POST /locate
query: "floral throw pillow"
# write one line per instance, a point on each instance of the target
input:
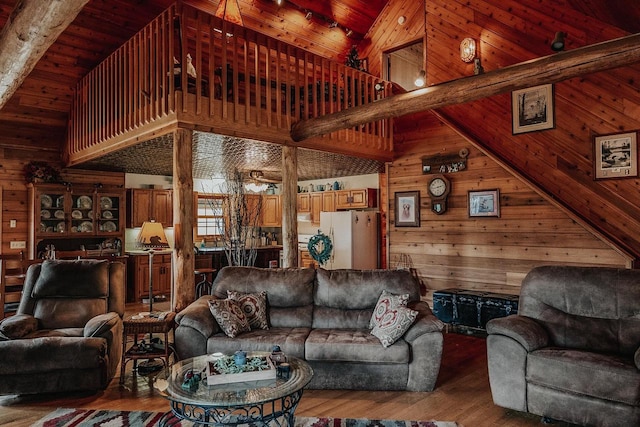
(229, 316)
(386, 301)
(391, 318)
(254, 307)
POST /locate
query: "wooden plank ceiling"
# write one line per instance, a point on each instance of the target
(36, 116)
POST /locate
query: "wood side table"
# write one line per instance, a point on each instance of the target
(136, 325)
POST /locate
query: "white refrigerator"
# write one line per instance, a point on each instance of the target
(354, 235)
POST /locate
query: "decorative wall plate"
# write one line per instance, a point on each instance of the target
(45, 214)
(85, 227)
(60, 227)
(59, 214)
(85, 202)
(76, 214)
(46, 201)
(106, 203)
(109, 227)
(60, 202)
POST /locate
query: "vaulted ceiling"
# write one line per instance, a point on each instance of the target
(36, 116)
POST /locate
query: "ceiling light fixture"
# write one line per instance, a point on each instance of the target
(279, 2)
(333, 24)
(467, 49)
(557, 44)
(309, 15)
(421, 79)
(229, 11)
(349, 32)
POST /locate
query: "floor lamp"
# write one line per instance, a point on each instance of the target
(150, 238)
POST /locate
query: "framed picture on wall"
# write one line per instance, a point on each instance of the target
(615, 156)
(407, 205)
(484, 203)
(532, 109)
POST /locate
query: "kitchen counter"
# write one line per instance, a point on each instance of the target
(221, 248)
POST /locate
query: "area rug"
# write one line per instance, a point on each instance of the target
(63, 417)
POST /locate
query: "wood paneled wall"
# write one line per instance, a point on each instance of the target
(494, 254)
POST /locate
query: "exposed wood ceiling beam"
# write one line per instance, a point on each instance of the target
(549, 69)
(32, 27)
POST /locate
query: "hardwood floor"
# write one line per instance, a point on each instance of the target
(462, 394)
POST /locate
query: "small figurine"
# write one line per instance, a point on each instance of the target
(277, 356)
(240, 358)
(191, 380)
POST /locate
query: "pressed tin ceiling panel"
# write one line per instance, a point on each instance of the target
(215, 156)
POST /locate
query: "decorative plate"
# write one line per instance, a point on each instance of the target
(90, 214)
(45, 214)
(74, 229)
(59, 214)
(85, 227)
(60, 202)
(107, 215)
(109, 226)
(85, 202)
(105, 203)
(43, 227)
(76, 214)
(60, 227)
(49, 230)
(46, 201)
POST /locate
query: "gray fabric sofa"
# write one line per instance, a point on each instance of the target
(67, 333)
(323, 316)
(573, 351)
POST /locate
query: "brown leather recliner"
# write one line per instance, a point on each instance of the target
(67, 332)
(572, 352)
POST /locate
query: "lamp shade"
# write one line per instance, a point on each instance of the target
(229, 11)
(152, 236)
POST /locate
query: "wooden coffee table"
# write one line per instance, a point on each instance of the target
(233, 403)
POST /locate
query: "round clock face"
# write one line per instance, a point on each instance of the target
(437, 187)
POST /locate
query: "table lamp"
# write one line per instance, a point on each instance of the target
(150, 238)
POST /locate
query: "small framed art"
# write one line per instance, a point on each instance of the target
(407, 209)
(615, 156)
(532, 109)
(484, 203)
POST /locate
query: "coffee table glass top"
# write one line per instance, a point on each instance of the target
(169, 382)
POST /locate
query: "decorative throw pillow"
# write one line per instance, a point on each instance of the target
(254, 307)
(393, 324)
(387, 301)
(229, 316)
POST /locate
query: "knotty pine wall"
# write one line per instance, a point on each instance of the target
(494, 254)
(14, 203)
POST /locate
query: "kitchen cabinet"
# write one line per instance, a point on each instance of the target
(357, 198)
(67, 211)
(150, 204)
(304, 202)
(271, 211)
(316, 207)
(138, 280)
(305, 260)
(329, 201)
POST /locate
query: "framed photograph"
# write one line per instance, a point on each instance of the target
(615, 156)
(484, 203)
(407, 209)
(532, 109)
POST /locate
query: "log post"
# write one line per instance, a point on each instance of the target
(290, 206)
(549, 69)
(32, 28)
(183, 255)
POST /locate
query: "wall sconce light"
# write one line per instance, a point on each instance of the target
(309, 15)
(467, 49)
(421, 79)
(557, 44)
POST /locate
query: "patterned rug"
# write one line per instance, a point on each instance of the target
(62, 417)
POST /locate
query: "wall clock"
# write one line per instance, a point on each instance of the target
(438, 189)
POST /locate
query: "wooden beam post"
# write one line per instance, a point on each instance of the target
(549, 69)
(290, 206)
(32, 28)
(183, 255)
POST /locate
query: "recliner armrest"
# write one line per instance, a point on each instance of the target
(526, 331)
(636, 358)
(100, 324)
(18, 326)
(425, 322)
(198, 316)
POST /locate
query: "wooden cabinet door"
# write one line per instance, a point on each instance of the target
(271, 211)
(304, 203)
(329, 201)
(343, 199)
(162, 207)
(140, 205)
(359, 198)
(316, 207)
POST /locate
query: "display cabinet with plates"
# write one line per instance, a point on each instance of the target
(68, 211)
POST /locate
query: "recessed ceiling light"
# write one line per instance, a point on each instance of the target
(402, 19)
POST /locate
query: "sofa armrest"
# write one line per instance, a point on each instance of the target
(100, 325)
(18, 326)
(526, 331)
(425, 322)
(636, 358)
(198, 316)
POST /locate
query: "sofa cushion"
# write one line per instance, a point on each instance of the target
(386, 302)
(72, 279)
(597, 375)
(254, 307)
(229, 316)
(352, 345)
(290, 340)
(393, 324)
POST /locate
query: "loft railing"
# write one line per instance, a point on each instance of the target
(189, 67)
